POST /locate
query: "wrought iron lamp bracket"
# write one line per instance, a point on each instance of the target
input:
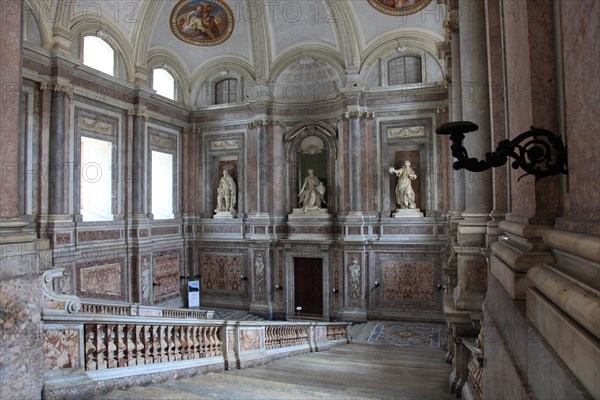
(538, 152)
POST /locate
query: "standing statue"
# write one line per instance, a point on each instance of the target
(312, 192)
(405, 195)
(226, 193)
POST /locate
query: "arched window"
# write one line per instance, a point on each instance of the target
(226, 91)
(164, 83)
(405, 69)
(99, 55)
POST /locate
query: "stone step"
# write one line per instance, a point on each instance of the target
(366, 371)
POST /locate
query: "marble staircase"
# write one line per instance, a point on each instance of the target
(353, 371)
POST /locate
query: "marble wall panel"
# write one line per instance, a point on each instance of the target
(61, 348)
(166, 272)
(407, 281)
(102, 280)
(249, 339)
(221, 272)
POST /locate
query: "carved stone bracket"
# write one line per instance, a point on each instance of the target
(56, 303)
(358, 114)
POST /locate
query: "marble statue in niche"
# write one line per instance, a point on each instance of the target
(259, 265)
(226, 196)
(405, 195)
(354, 280)
(312, 193)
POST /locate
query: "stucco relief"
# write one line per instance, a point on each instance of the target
(166, 272)
(354, 282)
(61, 348)
(259, 274)
(221, 272)
(404, 281)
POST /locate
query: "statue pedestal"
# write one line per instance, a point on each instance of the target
(225, 214)
(408, 213)
(309, 212)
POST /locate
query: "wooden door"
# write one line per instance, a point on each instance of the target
(308, 286)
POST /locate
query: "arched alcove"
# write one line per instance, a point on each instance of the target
(311, 145)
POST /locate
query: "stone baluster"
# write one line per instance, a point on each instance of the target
(112, 349)
(101, 347)
(139, 341)
(90, 348)
(121, 345)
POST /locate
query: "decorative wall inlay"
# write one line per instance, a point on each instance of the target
(249, 339)
(225, 145)
(395, 133)
(87, 236)
(61, 348)
(62, 238)
(202, 22)
(166, 272)
(221, 272)
(104, 281)
(221, 229)
(402, 281)
(399, 7)
(408, 230)
(165, 230)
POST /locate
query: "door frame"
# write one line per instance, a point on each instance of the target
(305, 250)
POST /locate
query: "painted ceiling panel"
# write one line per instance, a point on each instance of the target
(374, 23)
(238, 44)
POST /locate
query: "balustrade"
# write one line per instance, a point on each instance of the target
(122, 345)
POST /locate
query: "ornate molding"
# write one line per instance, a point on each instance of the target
(92, 124)
(260, 122)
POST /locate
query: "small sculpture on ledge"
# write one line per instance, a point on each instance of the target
(311, 196)
(226, 197)
(405, 195)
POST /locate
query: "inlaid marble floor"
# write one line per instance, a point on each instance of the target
(408, 334)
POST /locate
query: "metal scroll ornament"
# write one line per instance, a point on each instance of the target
(538, 152)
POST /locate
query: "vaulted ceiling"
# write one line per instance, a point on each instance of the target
(271, 39)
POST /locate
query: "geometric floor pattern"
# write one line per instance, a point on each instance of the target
(408, 334)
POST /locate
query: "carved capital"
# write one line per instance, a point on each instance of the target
(139, 113)
(58, 87)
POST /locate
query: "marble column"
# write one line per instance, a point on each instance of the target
(278, 183)
(264, 168)
(355, 163)
(471, 236)
(139, 146)
(497, 116)
(56, 153)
